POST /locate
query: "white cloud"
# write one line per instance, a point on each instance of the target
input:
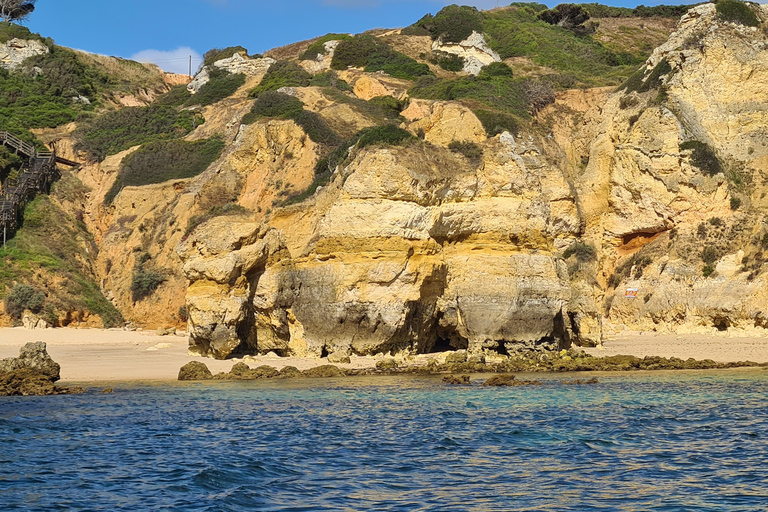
(172, 61)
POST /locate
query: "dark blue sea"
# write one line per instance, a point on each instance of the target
(663, 441)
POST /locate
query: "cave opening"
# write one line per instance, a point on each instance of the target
(720, 323)
(441, 345)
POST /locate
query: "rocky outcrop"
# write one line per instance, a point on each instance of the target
(444, 122)
(32, 373)
(474, 50)
(16, 51)
(224, 261)
(235, 65)
(323, 61)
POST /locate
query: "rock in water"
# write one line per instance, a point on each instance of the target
(195, 371)
(457, 380)
(509, 380)
(32, 373)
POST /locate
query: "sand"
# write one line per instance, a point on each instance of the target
(94, 355)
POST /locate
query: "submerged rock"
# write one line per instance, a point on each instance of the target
(509, 380)
(457, 380)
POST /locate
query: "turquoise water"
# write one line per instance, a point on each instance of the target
(636, 442)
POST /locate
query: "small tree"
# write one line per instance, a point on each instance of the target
(570, 16)
(16, 10)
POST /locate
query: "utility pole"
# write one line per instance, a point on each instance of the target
(190, 66)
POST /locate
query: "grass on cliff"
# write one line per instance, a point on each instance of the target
(317, 48)
(157, 162)
(370, 53)
(738, 12)
(216, 54)
(131, 126)
(49, 254)
(222, 84)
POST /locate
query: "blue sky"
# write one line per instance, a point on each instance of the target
(168, 31)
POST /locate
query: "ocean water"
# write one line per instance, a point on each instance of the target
(664, 441)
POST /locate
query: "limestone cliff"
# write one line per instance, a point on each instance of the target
(638, 208)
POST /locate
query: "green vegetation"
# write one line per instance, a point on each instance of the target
(663, 11)
(216, 211)
(710, 255)
(387, 135)
(283, 73)
(735, 203)
(623, 271)
(145, 282)
(10, 31)
(583, 252)
(222, 84)
(157, 162)
(368, 52)
(707, 271)
(329, 79)
(448, 61)
(519, 33)
(318, 47)
(51, 243)
(284, 106)
(737, 11)
(131, 126)
(23, 297)
(570, 16)
(274, 104)
(453, 23)
(176, 97)
(389, 106)
(500, 102)
(703, 156)
(217, 54)
(470, 150)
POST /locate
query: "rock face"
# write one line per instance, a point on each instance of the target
(690, 225)
(235, 65)
(16, 51)
(224, 261)
(475, 51)
(32, 373)
(408, 249)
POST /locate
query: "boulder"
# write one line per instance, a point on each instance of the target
(195, 370)
(509, 380)
(324, 371)
(339, 358)
(32, 373)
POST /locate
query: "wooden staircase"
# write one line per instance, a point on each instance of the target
(35, 175)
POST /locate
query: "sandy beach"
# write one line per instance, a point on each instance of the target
(94, 355)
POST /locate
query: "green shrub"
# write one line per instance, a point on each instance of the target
(495, 69)
(316, 128)
(145, 282)
(386, 135)
(275, 104)
(570, 16)
(453, 23)
(157, 162)
(415, 30)
(318, 46)
(703, 157)
(283, 73)
(497, 122)
(368, 52)
(390, 106)
(221, 85)
(582, 251)
(735, 203)
(737, 11)
(131, 126)
(707, 271)
(23, 297)
(501, 94)
(217, 54)
(176, 97)
(450, 62)
(329, 79)
(470, 150)
(710, 255)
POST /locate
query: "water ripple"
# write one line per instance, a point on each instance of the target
(663, 442)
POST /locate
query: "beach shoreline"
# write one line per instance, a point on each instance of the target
(96, 355)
